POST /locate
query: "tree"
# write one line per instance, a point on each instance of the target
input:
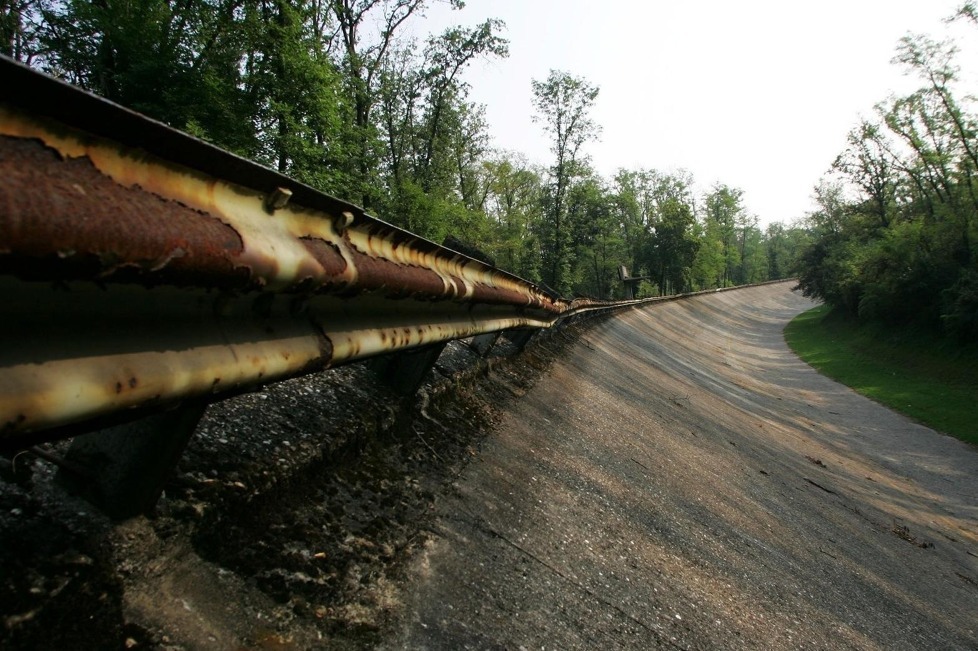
(632, 201)
(293, 88)
(941, 134)
(753, 263)
(903, 250)
(781, 250)
(446, 57)
(563, 104)
(596, 236)
(710, 262)
(513, 201)
(21, 22)
(207, 67)
(724, 211)
(362, 61)
(869, 165)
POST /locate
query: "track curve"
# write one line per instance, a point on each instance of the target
(681, 480)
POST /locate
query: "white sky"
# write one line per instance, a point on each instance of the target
(756, 94)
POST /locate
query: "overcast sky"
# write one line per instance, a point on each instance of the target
(756, 94)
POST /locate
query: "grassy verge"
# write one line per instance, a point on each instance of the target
(928, 379)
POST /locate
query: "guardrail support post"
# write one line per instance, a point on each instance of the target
(482, 344)
(130, 463)
(520, 338)
(405, 371)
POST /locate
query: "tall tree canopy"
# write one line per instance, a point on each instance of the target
(563, 105)
(895, 240)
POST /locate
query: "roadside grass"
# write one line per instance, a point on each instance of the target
(929, 379)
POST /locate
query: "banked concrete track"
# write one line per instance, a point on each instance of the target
(681, 480)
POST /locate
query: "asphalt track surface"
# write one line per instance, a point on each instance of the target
(680, 480)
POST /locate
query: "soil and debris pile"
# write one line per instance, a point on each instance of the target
(287, 525)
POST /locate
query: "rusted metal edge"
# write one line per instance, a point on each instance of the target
(140, 267)
(91, 122)
(80, 352)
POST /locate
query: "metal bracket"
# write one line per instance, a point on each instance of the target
(127, 465)
(405, 371)
(483, 344)
(520, 338)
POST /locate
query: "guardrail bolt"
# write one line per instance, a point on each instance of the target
(342, 221)
(277, 198)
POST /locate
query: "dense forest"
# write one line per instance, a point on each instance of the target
(335, 94)
(895, 237)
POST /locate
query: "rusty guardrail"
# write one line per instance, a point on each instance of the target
(141, 267)
(145, 273)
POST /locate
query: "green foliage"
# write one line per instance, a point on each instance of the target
(434, 217)
(674, 246)
(783, 247)
(903, 251)
(597, 238)
(563, 104)
(901, 281)
(960, 307)
(827, 273)
(647, 290)
(710, 261)
(513, 204)
(18, 28)
(631, 200)
(724, 211)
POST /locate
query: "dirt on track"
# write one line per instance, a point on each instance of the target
(672, 477)
(680, 480)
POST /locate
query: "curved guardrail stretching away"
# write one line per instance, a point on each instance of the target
(141, 267)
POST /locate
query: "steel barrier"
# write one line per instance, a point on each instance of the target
(140, 266)
(145, 273)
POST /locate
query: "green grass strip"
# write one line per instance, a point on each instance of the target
(929, 379)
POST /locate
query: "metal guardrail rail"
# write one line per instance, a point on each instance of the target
(141, 267)
(145, 273)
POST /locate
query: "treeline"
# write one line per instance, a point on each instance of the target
(334, 94)
(895, 239)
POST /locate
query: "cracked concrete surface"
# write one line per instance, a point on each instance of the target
(680, 480)
(672, 478)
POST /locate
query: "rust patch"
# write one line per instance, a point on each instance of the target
(501, 296)
(65, 220)
(397, 281)
(325, 350)
(329, 257)
(458, 286)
